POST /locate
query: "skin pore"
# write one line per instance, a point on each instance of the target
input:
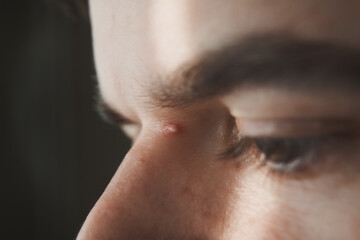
(175, 183)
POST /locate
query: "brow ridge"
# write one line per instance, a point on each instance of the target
(268, 60)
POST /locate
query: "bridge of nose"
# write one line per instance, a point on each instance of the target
(165, 186)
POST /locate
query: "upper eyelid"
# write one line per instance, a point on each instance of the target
(295, 127)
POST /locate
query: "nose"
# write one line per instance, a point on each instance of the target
(165, 188)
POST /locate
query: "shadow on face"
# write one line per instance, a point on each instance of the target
(155, 59)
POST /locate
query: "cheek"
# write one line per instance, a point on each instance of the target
(280, 222)
(259, 213)
(317, 208)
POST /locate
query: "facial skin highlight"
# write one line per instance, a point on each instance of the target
(190, 80)
(171, 129)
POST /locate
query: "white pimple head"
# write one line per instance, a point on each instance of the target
(170, 129)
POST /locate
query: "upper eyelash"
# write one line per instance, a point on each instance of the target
(235, 149)
(246, 148)
(297, 146)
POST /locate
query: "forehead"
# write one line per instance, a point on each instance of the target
(140, 41)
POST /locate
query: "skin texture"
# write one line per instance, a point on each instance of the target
(171, 184)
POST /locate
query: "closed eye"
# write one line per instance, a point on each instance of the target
(281, 155)
(284, 154)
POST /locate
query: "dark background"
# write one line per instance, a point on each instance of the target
(57, 155)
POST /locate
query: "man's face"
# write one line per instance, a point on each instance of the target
(243, 114)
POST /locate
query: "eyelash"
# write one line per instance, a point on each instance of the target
(280, 155)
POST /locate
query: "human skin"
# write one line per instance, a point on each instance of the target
(171, 184)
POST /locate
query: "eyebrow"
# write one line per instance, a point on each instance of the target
(266, 60)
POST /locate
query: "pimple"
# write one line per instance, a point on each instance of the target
(171, 129)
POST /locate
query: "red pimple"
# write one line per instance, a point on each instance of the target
(170, 129)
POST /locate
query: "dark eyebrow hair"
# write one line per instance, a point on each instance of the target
(275, 60)
(266, 60)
